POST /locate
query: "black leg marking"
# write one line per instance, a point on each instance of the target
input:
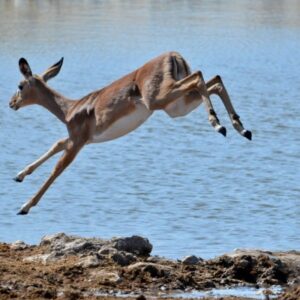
(247, 134)
(223, 131)
(17, 179)
(213, 113)
(236, 117)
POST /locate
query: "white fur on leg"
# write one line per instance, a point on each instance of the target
(24, 209)
(20, 176)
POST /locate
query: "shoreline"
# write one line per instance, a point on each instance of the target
(71, 267)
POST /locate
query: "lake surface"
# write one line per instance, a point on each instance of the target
(176, 181)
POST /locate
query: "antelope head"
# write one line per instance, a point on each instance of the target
(31, 88)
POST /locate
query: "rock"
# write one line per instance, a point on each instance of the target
(91, 261)
(78, 246)
(243, 268)
(191, 260)
(155, 270)
(74, 245)
(105, 277)
(43, 258)
(224, 261)
(253, 266)
(159, 259)
(123, 259)
(19, 245)
(245, 263)
(135, 244)
(67, 245)
(107, 250)
(52, 239)
(154, 259)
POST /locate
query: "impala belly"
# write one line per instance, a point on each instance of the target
(124, 124)
(180, 108)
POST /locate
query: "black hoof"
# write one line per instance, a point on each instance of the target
(17, 179)
(222, 130)
(22, 212)
(247, 134)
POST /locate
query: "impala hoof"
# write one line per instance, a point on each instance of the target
(22, 212)
(247, 134)
(222, 130)
(17, 179)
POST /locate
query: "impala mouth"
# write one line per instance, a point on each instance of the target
(14, 106)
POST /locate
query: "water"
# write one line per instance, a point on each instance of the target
(245, 292)
(238, 291)
(177, 182)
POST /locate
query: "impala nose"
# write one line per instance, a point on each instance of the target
(13, 104)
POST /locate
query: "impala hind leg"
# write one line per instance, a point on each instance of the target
(65, 160)
(193, 88)
(216, 86)
(57, 147)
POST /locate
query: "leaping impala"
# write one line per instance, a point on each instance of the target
(165, 82)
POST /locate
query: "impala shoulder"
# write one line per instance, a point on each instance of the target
(85, 105)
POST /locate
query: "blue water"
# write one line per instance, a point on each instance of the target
(177, 182)
(238, 291)
(245, 292)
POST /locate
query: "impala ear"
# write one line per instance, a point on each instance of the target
(25, 68)
(52, 71)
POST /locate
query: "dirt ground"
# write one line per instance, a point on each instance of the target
(67, 267)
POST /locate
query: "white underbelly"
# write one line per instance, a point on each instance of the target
(180, 108)
(124, 125)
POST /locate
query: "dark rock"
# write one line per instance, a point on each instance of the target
(135, 244)
(242, 268)
(244, 262)
(252, 267)
(123, 259)
(186, 280)
(191, 260)
(224, 261)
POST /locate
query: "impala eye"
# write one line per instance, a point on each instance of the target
(20, 86)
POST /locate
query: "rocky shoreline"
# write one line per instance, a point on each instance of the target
(72, 267)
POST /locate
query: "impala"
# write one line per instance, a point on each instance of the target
(164, 83)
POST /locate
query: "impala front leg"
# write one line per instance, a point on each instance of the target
(68, 156)
(57, 147)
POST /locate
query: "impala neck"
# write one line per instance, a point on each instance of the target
(55, 102)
